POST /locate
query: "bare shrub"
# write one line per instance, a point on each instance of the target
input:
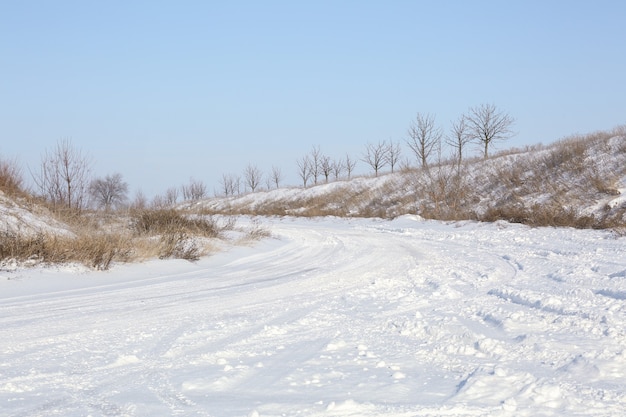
(179, 245)
(140, 201)
(11, 180)
(96, 251)
(194, 191)
(171, 196)
(63, 178)
(164, 221)
(21, 247)
(256, 231)
(441, 192)
(570, 152)
(539, 215)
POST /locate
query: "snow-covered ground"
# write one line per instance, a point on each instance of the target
(329, 317)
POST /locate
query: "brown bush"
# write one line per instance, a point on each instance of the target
(11, 180)
(165, 221)
(539, 215)
(179, 245)
(96, 251)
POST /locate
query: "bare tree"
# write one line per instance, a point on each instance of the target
(171, 196)
(337, 168)
(140, 201)
(406, 165)
(393, 153)
(459, 137)
(326, 167)
(224, 191)
(194, 191)
(485, 124)
(350, 164)
(236, 185)
(314, 164)
(63, 178)
(424, 137)
(253, 176)
(376, 156)
(159, 202)
(230, 184)
(277, 176)
(227, 184)
(304, 169)
(109, 191)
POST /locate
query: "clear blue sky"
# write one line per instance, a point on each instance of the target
(162, 91)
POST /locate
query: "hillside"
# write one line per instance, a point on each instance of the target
(21, 216)
(578, 182)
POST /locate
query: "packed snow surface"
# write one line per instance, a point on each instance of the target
(329, 317)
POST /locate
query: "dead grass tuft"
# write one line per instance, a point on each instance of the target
(99, 239)
(167, 221)
(96, 251)
(11, 181)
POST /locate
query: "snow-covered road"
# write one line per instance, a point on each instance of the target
(329, 317)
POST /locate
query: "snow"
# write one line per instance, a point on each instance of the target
(16, 217)
(329, 317)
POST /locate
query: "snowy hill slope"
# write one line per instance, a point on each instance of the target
(579, 182)
(18, 217)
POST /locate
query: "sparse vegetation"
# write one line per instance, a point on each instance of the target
(11, 180)
(94, 250)
(574, 182)
(151, 222)
(555, 185)
(194, 191)
(63, 177)
(98, 239)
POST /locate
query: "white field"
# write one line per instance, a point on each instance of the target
(329, 317)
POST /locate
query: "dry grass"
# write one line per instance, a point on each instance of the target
(550, 186)
(99, 239)
(554, 216)
(177, 236)
(96, 251)
(540, 185)
(165, 221)
(539, 215)
(11, 181)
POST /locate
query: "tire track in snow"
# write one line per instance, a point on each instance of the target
(334, 317)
